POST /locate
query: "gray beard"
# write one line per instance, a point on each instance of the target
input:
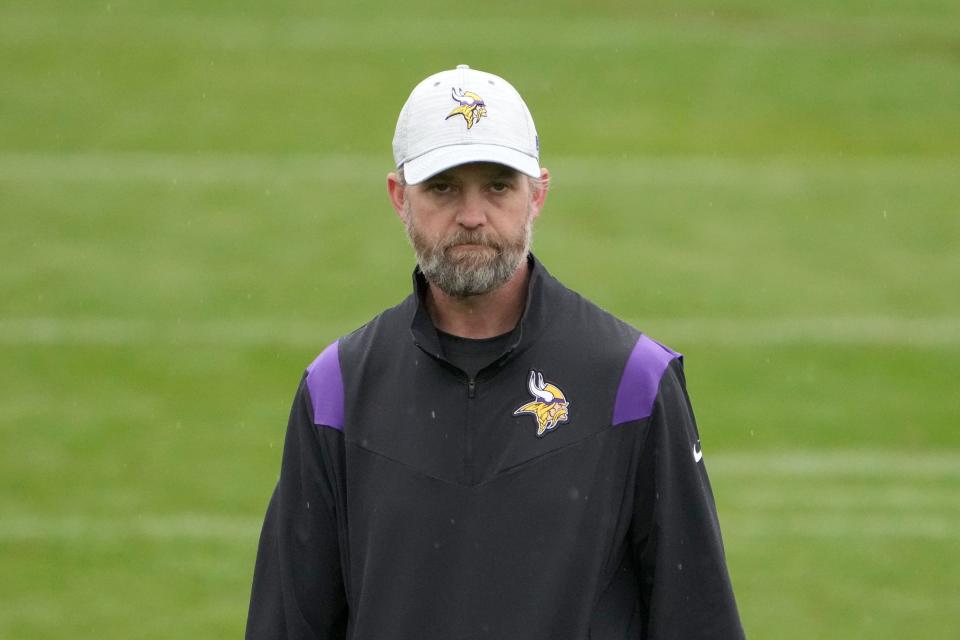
(471, 273)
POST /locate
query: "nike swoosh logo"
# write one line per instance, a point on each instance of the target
(697, 452)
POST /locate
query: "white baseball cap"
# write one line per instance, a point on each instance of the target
(464, 115)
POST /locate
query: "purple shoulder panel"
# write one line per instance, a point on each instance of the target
(325, 385)
(641, 379)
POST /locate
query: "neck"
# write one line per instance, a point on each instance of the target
(482, 316)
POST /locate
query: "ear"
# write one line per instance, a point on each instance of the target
(539, 196)
(397, 193)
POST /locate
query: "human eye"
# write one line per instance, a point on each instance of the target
(500, 186)
(439, 187)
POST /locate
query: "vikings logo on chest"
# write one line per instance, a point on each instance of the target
(550, 406)
(470, 106)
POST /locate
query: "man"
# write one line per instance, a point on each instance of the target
(495, 457)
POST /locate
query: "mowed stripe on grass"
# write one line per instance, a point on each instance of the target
(839, 330)
(805, 494)
(216, 167)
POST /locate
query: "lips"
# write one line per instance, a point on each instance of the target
(472, 245)
(472, 252)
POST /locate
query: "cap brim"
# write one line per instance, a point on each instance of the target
(433, 162)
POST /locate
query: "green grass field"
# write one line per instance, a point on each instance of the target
(192, 205)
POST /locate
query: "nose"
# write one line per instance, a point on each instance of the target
(472, 211)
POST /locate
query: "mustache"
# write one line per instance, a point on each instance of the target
(469, 237)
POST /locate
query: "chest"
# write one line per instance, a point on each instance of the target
(438, 421)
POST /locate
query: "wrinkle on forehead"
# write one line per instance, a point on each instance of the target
(485, 169)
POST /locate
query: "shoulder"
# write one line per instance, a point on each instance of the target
(640, 381)
(608, 338)
(569, 316)
(324, 376)
(324, 385)
(382, 330)
(638, 364)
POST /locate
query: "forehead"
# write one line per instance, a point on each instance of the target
(475, 171)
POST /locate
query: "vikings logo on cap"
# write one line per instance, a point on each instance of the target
(550, 407)
(471, 106)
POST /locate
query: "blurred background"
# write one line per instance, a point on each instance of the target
(192, 206)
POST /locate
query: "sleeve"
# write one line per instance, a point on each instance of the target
(685, 588)
(298, 588)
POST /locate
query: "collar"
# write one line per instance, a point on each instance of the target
(531, 322)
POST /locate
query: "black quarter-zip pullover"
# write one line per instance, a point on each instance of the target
(558, 494)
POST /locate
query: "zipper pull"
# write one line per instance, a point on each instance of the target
(471, 387)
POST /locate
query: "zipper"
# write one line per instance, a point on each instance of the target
(468, 436)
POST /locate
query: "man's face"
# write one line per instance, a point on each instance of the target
(470, 226)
